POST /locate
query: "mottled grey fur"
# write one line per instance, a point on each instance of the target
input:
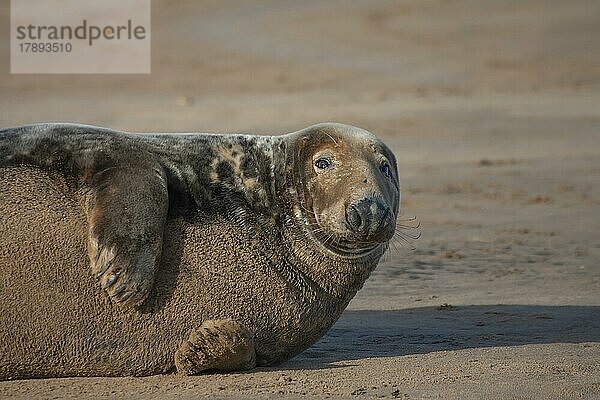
(228, 250)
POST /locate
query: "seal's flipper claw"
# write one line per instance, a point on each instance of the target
(103, 269)
(122, 298)
(118, 290)
(127, 210)
(109, 279)
(223, 345)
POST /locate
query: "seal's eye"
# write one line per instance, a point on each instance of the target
(323, 163)
(385, 169)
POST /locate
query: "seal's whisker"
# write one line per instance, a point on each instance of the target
(396, 247)
(408, 222)
(302, 206)
(332, 139)
(405, 235)
(393, 247)
(409, 234)
(329, 238)
(407, 229)
(417, 226)
(316, 227)
(393, 250)
(409, 219)
(400, 237)
(406, 244)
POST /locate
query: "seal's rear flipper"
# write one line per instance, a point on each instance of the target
(126, 212)
(222, 345)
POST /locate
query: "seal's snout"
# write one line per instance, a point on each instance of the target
(369, 218)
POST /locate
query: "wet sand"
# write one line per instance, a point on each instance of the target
(492, 108)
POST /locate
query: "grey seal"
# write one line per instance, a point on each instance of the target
(207, 251)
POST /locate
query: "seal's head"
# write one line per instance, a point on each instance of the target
(348, 187)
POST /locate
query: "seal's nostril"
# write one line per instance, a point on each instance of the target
(365, 180)
(353, 218)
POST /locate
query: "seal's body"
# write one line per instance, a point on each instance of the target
(220, 251)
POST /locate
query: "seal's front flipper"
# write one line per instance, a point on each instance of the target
(222, 345)
(126, 212)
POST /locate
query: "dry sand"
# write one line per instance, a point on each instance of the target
(493, 108)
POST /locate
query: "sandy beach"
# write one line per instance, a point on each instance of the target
(493, 111)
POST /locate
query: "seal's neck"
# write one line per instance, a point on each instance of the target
(339, 277)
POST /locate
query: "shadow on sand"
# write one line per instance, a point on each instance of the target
(368, 334)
